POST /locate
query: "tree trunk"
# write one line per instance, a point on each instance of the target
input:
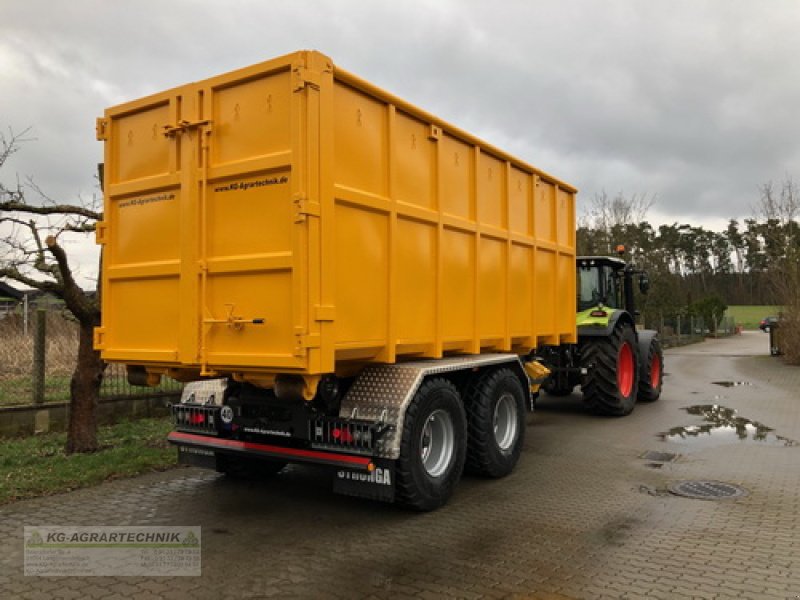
(84, 391)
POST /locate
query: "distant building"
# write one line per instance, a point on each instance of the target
(10, 298)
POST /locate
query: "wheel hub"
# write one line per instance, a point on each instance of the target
(505, 422)
(625, 366)
(655, 372)
(437, 441)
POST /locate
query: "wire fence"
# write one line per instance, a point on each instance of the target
(34, 371)
(680, 330)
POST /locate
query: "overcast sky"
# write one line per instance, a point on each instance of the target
(695, 102)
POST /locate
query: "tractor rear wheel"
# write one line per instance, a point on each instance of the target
(612, 375)
(653, 374)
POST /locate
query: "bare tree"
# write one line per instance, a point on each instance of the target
(32, 253)
(777, 212)
(610, 216)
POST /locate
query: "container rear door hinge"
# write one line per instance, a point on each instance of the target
(303, 208)
(100, 230)
(304, 341)
(101, 129)
(302, 77)
(99, 338)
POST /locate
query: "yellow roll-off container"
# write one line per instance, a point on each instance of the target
(292, 218)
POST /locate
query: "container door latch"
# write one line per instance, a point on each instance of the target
(184, 125)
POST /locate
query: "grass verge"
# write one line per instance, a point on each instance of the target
(749, 316)
(37, 466)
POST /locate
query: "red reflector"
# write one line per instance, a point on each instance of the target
(342, 435)
(197, 419)
(598, 313)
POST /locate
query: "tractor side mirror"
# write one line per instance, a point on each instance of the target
(644, 283)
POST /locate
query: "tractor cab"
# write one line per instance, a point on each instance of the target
(607, 282)
(600, 282)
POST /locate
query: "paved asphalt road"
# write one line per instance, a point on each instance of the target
(583, 516)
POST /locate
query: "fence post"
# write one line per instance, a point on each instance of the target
(679, 330)
(25, 315)
(39, 342)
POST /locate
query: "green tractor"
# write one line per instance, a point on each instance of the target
(615, 363)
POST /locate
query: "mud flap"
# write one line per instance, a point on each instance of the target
(197, 457)
(375, 485)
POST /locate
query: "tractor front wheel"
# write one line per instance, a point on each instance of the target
(653, 375)
(611, 381)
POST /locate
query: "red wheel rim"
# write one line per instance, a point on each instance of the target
(625, 370)
(655, 372)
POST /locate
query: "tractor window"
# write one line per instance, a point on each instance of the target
(589, 293)
(613, 288)
(598, 285)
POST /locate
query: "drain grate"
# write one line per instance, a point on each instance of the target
(656, 456)
(707, 490)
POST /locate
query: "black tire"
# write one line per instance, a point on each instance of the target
(416, 487)
(486, 454)
(247, 467)
(650, 386)
(602, 383)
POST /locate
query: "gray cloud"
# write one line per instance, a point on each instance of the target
(692, 101)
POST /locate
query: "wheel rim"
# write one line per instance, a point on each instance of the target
(437, 443)
(655, 372)
(505, 422)
(625, 370)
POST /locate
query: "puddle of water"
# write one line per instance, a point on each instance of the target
(730, 384)
(723, 426)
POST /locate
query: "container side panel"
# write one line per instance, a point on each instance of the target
(545, 284)
(413, 156)
(145, 315)
(139, 147)
(458, 284)
(545, 212)
(360, 160)
(145, 227)
(252, 294)
(565, 309)
(455, 175)
(250, 264)
(250, 245)
(521, 291)
(362, 264)
(491, 209)
(416, 281)
(520, 203)
(250, 216)
(566, 218)
(252, 118)
(491, 288)
(142, 212)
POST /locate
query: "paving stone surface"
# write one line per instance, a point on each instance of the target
(583, 516)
